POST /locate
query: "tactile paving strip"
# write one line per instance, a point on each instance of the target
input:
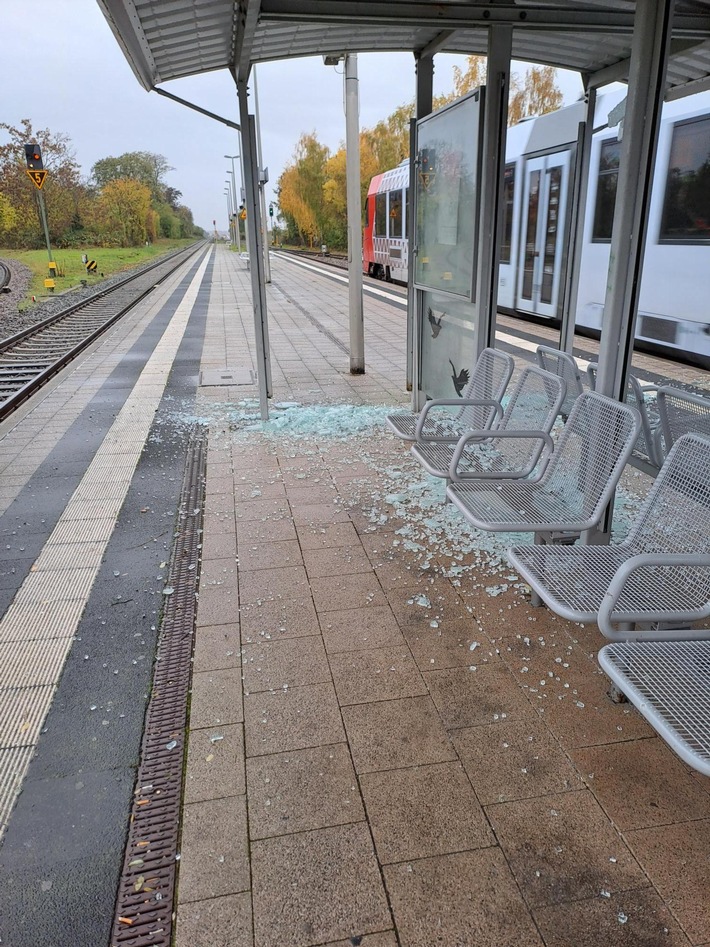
(144, 907)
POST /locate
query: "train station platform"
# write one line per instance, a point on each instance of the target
(387, 744)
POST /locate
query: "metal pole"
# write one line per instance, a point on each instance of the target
(495, 106)
(262, 196)
(45, 225)
(256, 258)
(235, 204)
(242, 190)
(424, 103)
(230, 217)
(647, 71)
(354, 201)
(576, 233)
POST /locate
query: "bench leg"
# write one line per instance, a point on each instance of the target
(617, 696)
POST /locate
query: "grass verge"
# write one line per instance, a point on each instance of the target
(109, 261)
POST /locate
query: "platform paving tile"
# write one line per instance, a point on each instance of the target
(292, 719)
(675, 857)
(396, 733)
(664, 792)
(217, 647)
(476, 695)
(423, 811)
(637, 918)
(357, 630)
(289, 662)
(302, 790)
(514, 759)
(333, 593)
(215, 763)
(315, 887)
(448, 644)
(272, 620)
(272, 530)
(459, 900)
(214, 852)
(216, 922)
(327, 535)
(289, 584)
(276, 555)
(337, 560)
(375, 674)
(563, 848)
(216, 698)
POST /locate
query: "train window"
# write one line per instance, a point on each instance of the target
(507, 236)
(381, 215)
(686, 206)
(395, 214)
(606, 189)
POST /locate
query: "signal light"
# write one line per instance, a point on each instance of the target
(33, 157)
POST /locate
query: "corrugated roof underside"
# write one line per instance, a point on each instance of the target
(174, 38)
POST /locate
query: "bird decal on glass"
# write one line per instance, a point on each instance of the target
(460, 380)
(434, 322)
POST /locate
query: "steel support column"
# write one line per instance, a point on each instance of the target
(500, 41)
(647, 70)
(578, 202)
(255, 249)
(424, 66)
(354, 202)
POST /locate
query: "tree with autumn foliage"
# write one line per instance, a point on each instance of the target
(66, 196)
(122, 207)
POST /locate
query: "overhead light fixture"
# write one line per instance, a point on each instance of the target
(333, 59)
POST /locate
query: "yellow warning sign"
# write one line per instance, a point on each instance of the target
(37, 176)
(243, 215)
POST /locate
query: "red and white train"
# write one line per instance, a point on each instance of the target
(674, 311)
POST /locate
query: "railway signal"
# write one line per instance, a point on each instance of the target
(37, 174)
(33, 157)
(271, 210)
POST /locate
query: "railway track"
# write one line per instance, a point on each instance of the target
(31, 357)
(4, 276)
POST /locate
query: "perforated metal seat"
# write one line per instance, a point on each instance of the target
(649, 446)
(682, 412)
(669, 683)
(489, 379)
(564, 365)
(658, 579)
(515, 446)
(572, 490)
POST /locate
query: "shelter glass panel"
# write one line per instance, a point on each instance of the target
(395, 214)
(606, 189)
(448, 349)
(508, 201)
(686, 207)
(448, 153)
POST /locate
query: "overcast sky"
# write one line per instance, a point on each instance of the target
(61, 67)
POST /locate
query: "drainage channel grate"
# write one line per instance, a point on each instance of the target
(144, 906)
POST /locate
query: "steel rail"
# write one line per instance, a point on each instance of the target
(31, 357)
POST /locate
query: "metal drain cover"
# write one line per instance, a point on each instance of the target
(214, 377)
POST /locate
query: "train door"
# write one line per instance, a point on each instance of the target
(542, 233)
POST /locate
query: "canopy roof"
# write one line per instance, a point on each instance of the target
(170, 39)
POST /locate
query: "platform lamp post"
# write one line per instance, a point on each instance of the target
(232, 158)
(228, 195)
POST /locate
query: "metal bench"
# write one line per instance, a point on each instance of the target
(514, 447)
(478, 408)
(649, 446)
(569, 495)
(682, 412)
(669, 683)
(564, 365)
(656, 583)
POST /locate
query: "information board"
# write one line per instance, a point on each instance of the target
(447, 175)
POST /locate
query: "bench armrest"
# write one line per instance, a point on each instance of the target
(450, 403)
(609, 611)
(456, 474)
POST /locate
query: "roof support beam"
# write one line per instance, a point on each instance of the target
(434, 45)
(619, 71)
(246, 21)
(647, 78)
(462, 15)
(500, 43)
